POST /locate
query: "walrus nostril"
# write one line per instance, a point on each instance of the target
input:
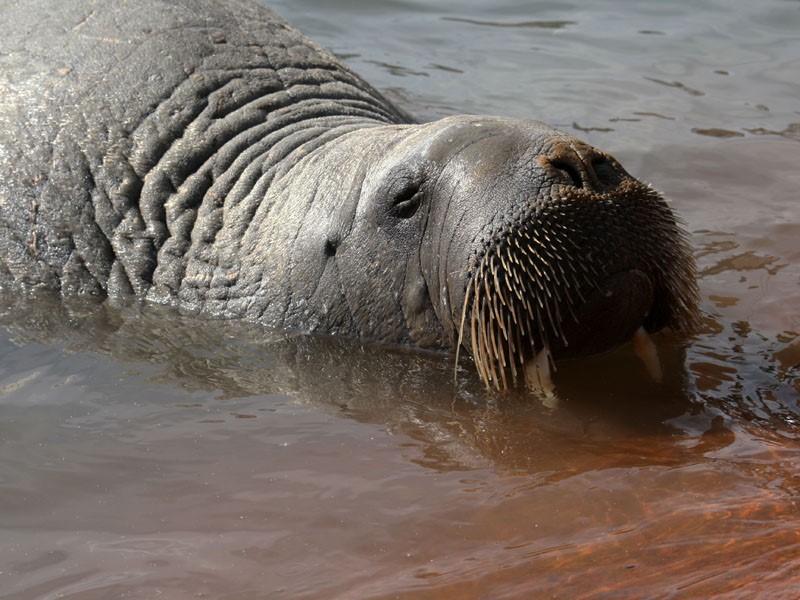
(571, 170)
(582, 168)
(605, 172)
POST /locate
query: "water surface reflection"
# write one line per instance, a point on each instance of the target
(144, 450)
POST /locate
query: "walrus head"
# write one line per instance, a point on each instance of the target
(509, 237)
(546, 243)
(534, 240)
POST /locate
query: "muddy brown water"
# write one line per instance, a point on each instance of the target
(146, 453)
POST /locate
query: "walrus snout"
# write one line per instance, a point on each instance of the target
(553, 249)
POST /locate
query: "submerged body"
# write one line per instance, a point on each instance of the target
(207, 154)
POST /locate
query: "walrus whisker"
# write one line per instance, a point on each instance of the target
(554, 322)
(512, 307)
(503, 262)
(475, 321)
(477, 349)
(461, 332)
(518, 293)
(501, 326)
(511, 257)
(512, 353)
(477, 353)
(536, 266)
(498, 287)
(521, 353)
(486, 337)
(503, 365)
(492, 339)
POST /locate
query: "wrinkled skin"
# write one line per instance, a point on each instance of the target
(205, 153)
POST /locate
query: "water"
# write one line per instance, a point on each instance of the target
(145, 453)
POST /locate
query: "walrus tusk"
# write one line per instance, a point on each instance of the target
(646, 350)
(537, 373)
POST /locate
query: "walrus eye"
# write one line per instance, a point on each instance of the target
(407, 203)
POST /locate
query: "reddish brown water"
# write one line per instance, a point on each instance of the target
(150, 455)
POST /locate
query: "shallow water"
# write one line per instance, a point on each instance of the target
(146, 453)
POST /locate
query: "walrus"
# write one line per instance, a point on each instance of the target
(204, 153)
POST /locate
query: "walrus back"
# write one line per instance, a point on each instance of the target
(125, 127)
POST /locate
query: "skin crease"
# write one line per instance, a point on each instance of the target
(206, 154)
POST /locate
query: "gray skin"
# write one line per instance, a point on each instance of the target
(206, 154)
